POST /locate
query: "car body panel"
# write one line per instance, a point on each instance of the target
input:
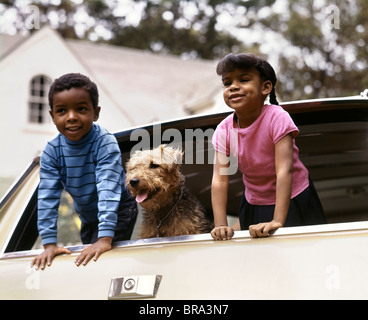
(310, 262)
(316, 262)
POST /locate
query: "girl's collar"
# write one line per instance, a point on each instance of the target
(236, 119)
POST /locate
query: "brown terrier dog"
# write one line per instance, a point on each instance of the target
(155, 180)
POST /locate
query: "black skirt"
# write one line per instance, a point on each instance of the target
(304, 209)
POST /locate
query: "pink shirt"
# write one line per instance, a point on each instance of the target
(254, 149)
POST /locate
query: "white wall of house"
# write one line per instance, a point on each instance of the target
(45, 53)
(135, 88)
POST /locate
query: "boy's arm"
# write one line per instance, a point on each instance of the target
(94, 250)
(219, 195)
(109, 184)
(49, 191)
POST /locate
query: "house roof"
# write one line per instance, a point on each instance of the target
(147, 86)
(150, 86)
(9, 42)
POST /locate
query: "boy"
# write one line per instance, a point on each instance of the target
(85, 160)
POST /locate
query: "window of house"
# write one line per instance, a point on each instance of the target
(38, 99)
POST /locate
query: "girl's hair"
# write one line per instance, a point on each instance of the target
(247, 61)
(74, 80)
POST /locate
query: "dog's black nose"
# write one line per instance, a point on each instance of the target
(134, 182)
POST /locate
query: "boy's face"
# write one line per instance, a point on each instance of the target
(73, 113)
(244, 89)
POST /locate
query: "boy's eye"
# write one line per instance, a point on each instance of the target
(60, 110)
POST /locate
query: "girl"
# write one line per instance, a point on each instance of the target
(278, 191)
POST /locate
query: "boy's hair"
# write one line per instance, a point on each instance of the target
(246, 61)
(74, 80)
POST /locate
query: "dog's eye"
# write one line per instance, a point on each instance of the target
(154, 166)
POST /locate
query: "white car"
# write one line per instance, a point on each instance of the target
(313, 262)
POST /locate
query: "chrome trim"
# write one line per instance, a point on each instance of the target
(14, 187)
(18, 185)
(326, 100)
(364, 93)
(14, 226)
(206, 237)
(311, 102)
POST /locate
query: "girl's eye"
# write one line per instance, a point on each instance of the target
(154, 166)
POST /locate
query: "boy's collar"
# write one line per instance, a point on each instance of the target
(82, 140)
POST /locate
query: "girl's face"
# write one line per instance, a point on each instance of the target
(244, 90)
(73, 113)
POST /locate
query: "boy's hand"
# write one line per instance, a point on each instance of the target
(94, 250)
(51, 250)
(264, 229)
(222, 233)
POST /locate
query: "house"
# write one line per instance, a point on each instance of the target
(136, 87)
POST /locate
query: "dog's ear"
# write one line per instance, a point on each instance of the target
(176, 155)
(170, 155)
(179, 156)
(136, 154)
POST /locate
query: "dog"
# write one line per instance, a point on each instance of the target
(155, 179)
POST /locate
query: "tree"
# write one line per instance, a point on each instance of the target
(60, 16)
(187, 28)
(322, 48)
(329, 45)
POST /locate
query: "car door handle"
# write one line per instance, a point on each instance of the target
(133, 287)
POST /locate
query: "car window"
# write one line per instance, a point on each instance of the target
(68, 224)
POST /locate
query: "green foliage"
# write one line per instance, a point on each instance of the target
(68, 222)
(333, 47)
(165, 27)
(321, 46)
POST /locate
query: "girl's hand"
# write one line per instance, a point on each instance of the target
(264, 229)
(94, 250)
(222, 233)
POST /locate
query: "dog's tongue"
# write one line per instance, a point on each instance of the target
(141, 196)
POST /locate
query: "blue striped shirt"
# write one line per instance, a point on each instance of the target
(90, 171)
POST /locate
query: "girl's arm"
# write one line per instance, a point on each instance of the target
(284, 167)
(219, 192)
